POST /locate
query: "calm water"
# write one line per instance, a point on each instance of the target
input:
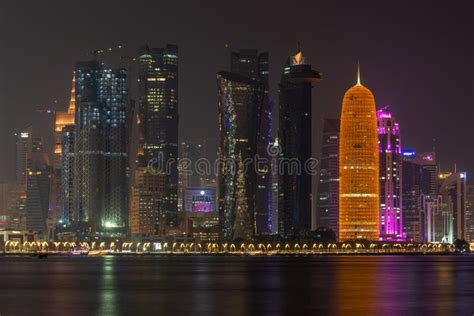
(336, 285)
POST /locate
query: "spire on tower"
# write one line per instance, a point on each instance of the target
(358, 74)
(72, 101)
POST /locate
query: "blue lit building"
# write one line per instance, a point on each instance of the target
(100, 152)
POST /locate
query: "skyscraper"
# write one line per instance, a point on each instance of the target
(61, 191)
(12, 205)
(328, 189)
(158, 116)
(113, 93)
(145, 203)
(240, 100)
(433, 220)
(67, 200)
(416, 184)
(254, 65)
(275, 151)
(88, 151)
(23, 148)
(295, 139)
(470, 212)
(428, 161)
(63, 119)
(391, 227)
(37, 192)
(100, 155)
(358, 166)
(453, 191)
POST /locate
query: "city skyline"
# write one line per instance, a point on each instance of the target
(97, 144)
(321, 48)
(236, 157)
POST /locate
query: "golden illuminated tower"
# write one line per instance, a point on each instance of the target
(64, 124)
(358, 166)
(64, 119)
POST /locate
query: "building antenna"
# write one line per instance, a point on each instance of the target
(358, 73)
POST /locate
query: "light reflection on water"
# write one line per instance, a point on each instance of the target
(207, 285)
(108, 288)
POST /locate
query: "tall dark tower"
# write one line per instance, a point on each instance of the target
(295, 203)
(240, 100)
(251, 64)
(158, 115)
(38, 186)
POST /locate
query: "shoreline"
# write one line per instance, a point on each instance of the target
(348, 254)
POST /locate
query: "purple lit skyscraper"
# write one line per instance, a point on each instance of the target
(391, 227)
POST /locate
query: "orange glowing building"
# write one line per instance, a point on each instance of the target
(358, 166)
(64, 119)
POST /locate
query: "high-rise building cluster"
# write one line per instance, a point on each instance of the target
(122, 173)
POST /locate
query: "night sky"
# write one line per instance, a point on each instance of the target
(416, 56)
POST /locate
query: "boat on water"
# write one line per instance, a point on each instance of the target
(79, 252)
(41, 255)
(97, 253)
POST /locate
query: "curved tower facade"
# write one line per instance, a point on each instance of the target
(358, 166)
(240, 102)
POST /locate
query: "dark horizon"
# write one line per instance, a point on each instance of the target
(416, 57)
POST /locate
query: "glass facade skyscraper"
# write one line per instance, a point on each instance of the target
(158, 121)
(416, 184)
(113, 93)
(88, 177)
(470, 212)
(100, 155)
(295, 139)
(254, 65)
(67, 214)
(453, 191)
(240, 100)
